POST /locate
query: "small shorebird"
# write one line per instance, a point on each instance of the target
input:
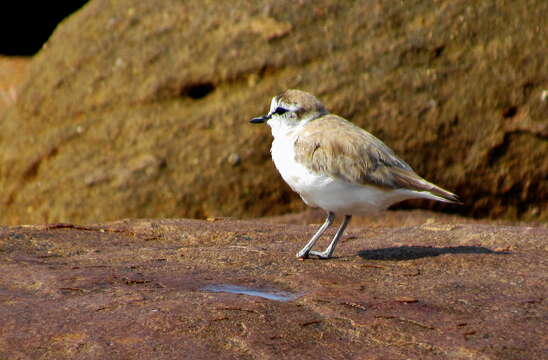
(337, 166)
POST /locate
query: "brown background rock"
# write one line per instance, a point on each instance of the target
(13, 71)
(433, 289)
(139, 109)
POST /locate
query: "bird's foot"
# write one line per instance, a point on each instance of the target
(319, 254)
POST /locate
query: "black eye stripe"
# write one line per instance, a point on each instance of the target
(280, 110)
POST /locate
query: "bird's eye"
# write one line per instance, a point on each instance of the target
(280, 111)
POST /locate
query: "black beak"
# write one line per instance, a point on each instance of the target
(260, 120)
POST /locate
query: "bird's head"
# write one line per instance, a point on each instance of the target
(291, 109)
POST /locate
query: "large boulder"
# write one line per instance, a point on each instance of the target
(139, 109)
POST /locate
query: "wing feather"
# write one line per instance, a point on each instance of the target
(335, 147)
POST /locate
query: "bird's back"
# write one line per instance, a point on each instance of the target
(333, 146)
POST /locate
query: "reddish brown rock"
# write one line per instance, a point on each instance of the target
(139, 109)
(148, 289)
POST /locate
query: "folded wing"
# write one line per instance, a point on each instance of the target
(334, 146)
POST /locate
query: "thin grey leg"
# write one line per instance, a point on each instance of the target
(331, 248)
(306, 249)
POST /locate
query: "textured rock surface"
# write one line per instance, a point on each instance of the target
(12, 73)
(139, 109)
(136, 289)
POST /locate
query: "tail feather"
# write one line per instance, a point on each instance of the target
(410, 180)
(446, 195)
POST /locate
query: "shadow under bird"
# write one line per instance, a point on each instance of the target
(337, 166)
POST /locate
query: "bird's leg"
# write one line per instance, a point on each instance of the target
(331, 248)
(303, 254)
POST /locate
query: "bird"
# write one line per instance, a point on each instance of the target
(337, 166)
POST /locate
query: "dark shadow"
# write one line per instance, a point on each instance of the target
(30, 25)
(417, 252)
(197, 91)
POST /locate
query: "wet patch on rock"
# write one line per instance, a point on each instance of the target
(271, 294)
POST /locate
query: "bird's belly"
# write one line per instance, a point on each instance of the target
(330, 194)
(348, 199)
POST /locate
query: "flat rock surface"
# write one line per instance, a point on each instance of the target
(228, 289)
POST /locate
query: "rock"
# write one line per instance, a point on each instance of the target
(227, 289)
(12, 73)
(132, 109)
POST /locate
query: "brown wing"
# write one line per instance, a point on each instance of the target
(334, 146)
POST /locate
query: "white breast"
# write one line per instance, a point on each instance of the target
(293, 173)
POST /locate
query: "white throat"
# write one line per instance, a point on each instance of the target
(282, 127)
